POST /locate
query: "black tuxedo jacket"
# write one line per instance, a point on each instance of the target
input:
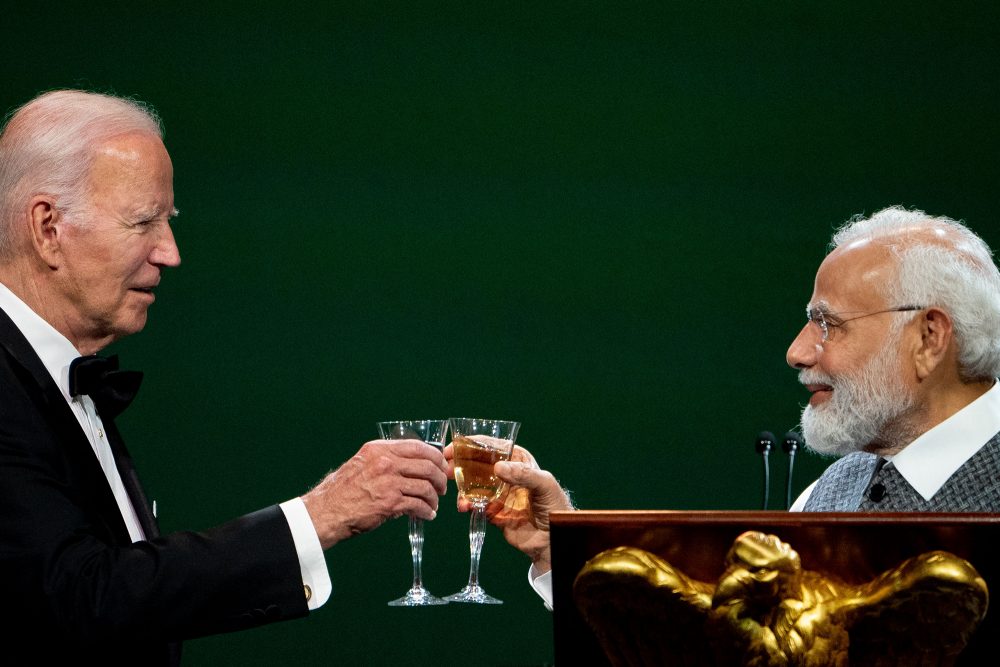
(73, 587)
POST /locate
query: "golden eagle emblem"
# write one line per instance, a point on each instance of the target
(766, 610)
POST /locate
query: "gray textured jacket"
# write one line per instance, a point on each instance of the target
(862, 482)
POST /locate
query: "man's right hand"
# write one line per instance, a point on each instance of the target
(384, 480)
(522, 512)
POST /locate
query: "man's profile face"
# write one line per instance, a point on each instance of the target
(859, 390)
(849, 282)
(114, 255)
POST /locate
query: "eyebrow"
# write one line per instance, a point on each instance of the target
(153, 213)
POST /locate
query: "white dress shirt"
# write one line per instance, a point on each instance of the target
(56, 354)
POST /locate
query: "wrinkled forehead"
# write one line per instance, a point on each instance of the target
(132, 174)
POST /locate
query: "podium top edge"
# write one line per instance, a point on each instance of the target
(742, 517)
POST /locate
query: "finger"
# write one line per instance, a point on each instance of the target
(415, 449)
(417, 508)
(449, 458)
(522, 474)
(493, 509)
(395, 497)
(419, 469)
(412, 489)
(522, 455)
(413, 458)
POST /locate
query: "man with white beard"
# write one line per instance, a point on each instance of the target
(901, 353)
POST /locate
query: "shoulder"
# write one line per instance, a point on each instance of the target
(840, 485)
(850, 465)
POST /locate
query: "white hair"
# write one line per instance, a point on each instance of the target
(48, 145)
(942, 263)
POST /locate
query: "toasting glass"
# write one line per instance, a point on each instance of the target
(433, 432)
(478, 445)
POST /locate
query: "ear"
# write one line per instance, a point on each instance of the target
(936, 334)
(45, 229)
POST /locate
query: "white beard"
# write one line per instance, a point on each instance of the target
(867, 407)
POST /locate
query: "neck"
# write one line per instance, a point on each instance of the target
(32, 288)
(957, 396)
(933, 404)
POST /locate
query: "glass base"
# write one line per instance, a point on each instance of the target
(473, 595)
(417, 597)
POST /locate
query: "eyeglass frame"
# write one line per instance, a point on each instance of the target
(817, 316)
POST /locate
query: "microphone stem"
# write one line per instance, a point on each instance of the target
(788, 485)
(767, 476)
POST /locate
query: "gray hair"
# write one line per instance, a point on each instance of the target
(48, 146)
(943, 263)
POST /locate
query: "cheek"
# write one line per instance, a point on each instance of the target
(128, 263)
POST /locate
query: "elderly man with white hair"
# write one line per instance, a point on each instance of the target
(900, 353)
(86, 203)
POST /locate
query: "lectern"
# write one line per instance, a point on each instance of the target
(851, 548)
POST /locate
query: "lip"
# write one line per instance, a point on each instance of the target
(820, 393)
(145, 291)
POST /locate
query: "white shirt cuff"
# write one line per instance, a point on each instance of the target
(542, 583)
(312, 563)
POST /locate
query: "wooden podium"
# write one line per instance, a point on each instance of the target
(851, 546)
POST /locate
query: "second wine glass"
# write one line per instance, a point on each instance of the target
(433, 432)
(478, 445)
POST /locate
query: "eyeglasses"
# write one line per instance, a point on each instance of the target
(829, 322)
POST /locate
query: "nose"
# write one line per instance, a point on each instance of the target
(165, 252)
(805, 349)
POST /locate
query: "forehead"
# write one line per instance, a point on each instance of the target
(133, 167)
(853, 277)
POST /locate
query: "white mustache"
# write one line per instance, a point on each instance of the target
(813, 376)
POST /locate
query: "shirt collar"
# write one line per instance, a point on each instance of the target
(54, 349)
(928, 462)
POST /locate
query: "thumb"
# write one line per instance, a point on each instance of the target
(542, 486)
(514, 472)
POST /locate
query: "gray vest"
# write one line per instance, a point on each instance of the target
(862, 482)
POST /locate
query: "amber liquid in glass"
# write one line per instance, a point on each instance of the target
(474, 467)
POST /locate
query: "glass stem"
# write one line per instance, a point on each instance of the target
(417, 550)
(477, 532)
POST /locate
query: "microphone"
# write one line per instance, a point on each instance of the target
(790, 443)
(763, 444)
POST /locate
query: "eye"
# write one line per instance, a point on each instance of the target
(834, 323)
(145, 222)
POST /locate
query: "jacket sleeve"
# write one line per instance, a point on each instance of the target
(67, 567)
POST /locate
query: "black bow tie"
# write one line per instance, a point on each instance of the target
(98, 377)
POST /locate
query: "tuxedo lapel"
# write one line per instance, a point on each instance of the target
(123, 461)
(20, 350)
(86, 469)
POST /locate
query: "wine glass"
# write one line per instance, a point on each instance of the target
(478, 445)
(433, 432)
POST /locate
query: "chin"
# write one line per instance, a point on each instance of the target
(127, 326)
(826, 433)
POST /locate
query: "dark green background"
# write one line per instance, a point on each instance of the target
(601, 219)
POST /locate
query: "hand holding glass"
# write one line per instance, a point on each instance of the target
(433, 432)
(478, 445)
